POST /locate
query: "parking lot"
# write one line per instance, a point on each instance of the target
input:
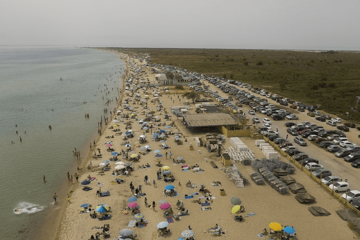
(336, 165)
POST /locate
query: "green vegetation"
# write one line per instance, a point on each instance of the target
(192, 95)
(330, 79)
(180, 87)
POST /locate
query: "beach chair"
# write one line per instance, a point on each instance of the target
(185, 213)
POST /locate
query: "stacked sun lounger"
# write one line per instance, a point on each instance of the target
(243, 156)
(304, 198)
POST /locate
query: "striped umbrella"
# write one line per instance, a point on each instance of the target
(139, 216)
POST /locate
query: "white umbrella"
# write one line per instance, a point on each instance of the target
(187, 234)
(142, 136)
(119, 167)
(119, 163)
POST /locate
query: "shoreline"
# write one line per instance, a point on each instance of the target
(55, 222)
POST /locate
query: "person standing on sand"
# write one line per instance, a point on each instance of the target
(153, 205)
(166, 155)
(170, 154)
(77, 177)
(68, 175)
(44, 179)
(55, 197)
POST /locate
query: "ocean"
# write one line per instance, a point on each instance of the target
(42, 86)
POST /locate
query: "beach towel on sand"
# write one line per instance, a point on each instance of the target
(188, 197)
(170, 220)
(132, 223)
(205, 204)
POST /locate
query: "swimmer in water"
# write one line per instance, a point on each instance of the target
(17, 210)
(12, 142)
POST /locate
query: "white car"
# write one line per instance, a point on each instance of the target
(251, 112)
(289, 148)
(266, 120)
(345, 143)
(337, 120)
(330, 180)
(267, 126)
(340, 186)
(339, 139)
(313, 166)
(349, 196)
(331, 123)
(312, 137)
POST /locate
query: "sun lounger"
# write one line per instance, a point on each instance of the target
(205, 208)
(104, 194)
(185, 213)
(205, 204)
(188, 197)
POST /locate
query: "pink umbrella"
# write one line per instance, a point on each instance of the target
(108, 145)
(165, 206)
(132, 205)
(184, 166)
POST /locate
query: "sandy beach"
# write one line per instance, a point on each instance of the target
(262, 203)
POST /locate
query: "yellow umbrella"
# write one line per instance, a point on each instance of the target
(134, 156)
(165, 168)
(235, 209)
(275, 226)
(115, 125)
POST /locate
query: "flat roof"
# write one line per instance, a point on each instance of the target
(209, 120)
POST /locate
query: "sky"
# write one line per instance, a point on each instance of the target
(250, 24)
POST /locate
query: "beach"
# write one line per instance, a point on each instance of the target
(262, 203)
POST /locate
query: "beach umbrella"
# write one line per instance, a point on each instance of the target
(132, 199)
(162, 225)
(165, 206)
(165, 172)
(145, 128)
(132, 205)
(126, 232)
(171, 187)
(187, 234)
(139, 216)
(143, 148)
(128, 164)
(119, 167)
(114, 153)
(235, 201)
(289, 230)
(165, 168)
(162, 201)
(142, 136)
(108, 142)
(162, 131)
(128, 132)
(102, 164)
(85, 205)
(235, 209)
(134, 155)
(119, 163)
(102, 209)
(115, 125)
(155, 135)
(157, 151)
(108, 145)
(180, 158)
(168, 127)
(275, 226)
(85, 182)
(127, 145)
(144, 123)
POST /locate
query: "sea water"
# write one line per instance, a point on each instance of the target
(40, 87)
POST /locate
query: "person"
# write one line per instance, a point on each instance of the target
(189, 228)
(55, 197)
(287, 136)
(170, 154)
(166, 155)
(154, 183)
(44, 179)
(153, 205)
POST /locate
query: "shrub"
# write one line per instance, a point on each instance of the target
(180, 87)
(332, 85)
(259, 63)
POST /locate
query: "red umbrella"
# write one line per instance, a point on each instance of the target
(165, 206)
(132, 205)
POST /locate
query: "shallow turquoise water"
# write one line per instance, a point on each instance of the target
(33, 97)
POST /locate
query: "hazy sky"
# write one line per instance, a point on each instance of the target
(266, 24)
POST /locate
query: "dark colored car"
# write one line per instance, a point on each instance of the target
(356, 163)
(277, 117)
(343, 128)
(272, 137)
(321, 173)
(300, 156)
(340, 133)
(293, 152)
(308, 160)
(321, 119)
(350, 125)
(323, 134)
(280, 140)
(320, 139)
(300, 141)
(308, 133)
(301, 109)
(285, 144)
(289, 124)
(325, 144)
(342, 153)
(352, 157)
(334, 148)
(292, 131)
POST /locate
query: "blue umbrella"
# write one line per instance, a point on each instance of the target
(145, 128)
(144, 123)
(169, 187)
(114, 153)
(132, 199)
(162, 131)
(155, 135)
(85, 182)
(139, 216)
(85, 205)
(106, 161)
(289, 230)
(127, 133)
(157, 151)
(168, 127)
(127, 145)
(101, 209)
(166, 172)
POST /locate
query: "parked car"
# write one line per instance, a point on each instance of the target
(300, 156)
(292, 117)
(312, 137)
(251, 112)
(277, 117)
(340, 186)
(321, 119)
(325, 144)
(350, 195)
(338, 120)
(301, 109)
(285, 144)
(280, 140)
(352, 157)
(310, 114)
(293, 152)
(334, 148)
(266, 120)
(331, 123)
(321, 173)
(343, 153)
(289, 124)
(356, 163)
(330, 180)
(308, 160)
(343, 128)
(300, 141)
(288, 148)
(255, 120)
(339, 139)
(332, 136)
(313, 166)
(350, 125)
(292, 131)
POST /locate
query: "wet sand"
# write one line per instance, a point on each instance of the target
(267, 204)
